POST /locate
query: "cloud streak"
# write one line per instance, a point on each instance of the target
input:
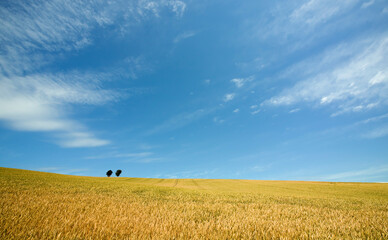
(32, 36)
(240, 82)
(379, 132)
(229, 97)
(179, 121)
(301, 25)
(140, 157)
(369, 173)
(184, 35)
(37, 103)
(122, 155)
(315, 12)
(355, 78)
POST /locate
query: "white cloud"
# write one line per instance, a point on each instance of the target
(294, 110)
(378, 78)
(189, 174)
(253, 106)
(34, 31)
(179, 121)
(146, 160)
(257, 64)
(47, 169)
(140, 157)
(177, 6)
(32, 35)
(218, 120)
(74, 139)
(143, 8)
(229, 97)
(315, 12)
(259, 168)
(379, 132)
(236, 110)
(122, 155)
(367, 4)
(373, 119)
(355, 78)
(74, 171)
(296, 25)
(37, 103)
(239, 82)
(358, 174)
(255, 112)
(139, 154)
(184, 35)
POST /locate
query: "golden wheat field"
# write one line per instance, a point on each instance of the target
(36, 205)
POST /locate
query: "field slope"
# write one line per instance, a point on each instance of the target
(36, 205)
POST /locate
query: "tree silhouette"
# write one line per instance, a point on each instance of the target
(118, 172)
(108, 173)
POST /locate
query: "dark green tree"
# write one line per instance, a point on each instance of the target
(108, 173)
(118, 172)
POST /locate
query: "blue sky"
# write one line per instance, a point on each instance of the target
(285, 90)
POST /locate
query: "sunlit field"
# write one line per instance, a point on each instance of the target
(35, 205)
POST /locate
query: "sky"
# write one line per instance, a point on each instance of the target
(271, 90)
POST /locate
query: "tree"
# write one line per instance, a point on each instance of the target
(118, 172)
(108, 173)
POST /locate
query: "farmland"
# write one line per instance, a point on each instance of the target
(36, 205)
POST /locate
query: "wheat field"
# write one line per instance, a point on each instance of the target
(36, 205)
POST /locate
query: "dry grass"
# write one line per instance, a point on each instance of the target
(36, 205)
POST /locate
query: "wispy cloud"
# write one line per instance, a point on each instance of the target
(189, 174)
(294, 110)
(73, 171)
(37, 103)
(61, 170)
(229, 97)
(355, 80)
(33, 30)
(145, 159)
(255, 109)
(75, 139)
(47, 169)
(302, 24)
(177, 6)
(255, 112)
(240, 82)
(179, 121)
(368, 4)
(143, 8)
(218, 120)
(314, 12)
(378, 132)
(184, 35)
(358, 175)
(32, 36)
(138, 157)
(373, 119)
(122, 155)
(259, 168)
